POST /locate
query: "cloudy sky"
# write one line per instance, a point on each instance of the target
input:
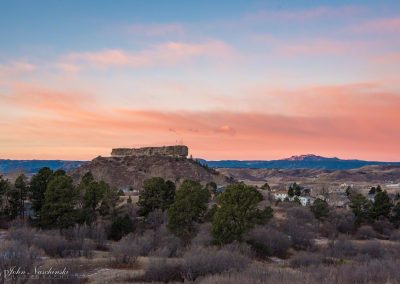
(230, 79)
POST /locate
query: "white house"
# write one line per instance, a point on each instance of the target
(280, 196)
(304, 200)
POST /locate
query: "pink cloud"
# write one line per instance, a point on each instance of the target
(316, 47)
(169, 53)
(357, 120)
(16, 68)
(380, 26)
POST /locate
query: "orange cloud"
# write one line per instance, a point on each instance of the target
(349, 121)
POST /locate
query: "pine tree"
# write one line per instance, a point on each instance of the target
(156, 194)
(237, 213)
(22, 186)
(58, 210)
(189, 206)
(37, 189)
(320, 208)
(361, 208)
(381, 206)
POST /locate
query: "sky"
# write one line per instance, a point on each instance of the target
(248, 80)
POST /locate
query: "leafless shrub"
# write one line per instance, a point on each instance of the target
(300, 235)
(155, 219)
(383, 227)
(374, 271)
(304, 258)
(202, 261)
(343, 247)
(131, 246)
(395, 235)
(372, 249)
(162, 270)
(343, 221)
(22, 234)
(125, 250)
(287, 204)
(301, 213)
(257, 274)
(240, 248)
(269, 241)
(55, 245)
(203, 236)
(17, 254)
(96, 233)
(168, 245)
(366, 233)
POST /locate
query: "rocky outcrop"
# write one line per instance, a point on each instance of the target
(169, 151)
(131, 171)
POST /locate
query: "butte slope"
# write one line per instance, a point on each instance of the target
(131, 171)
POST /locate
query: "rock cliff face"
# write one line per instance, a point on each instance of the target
(169, 151)
(130, 171)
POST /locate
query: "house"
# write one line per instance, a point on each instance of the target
(280, 196)
(304, 200)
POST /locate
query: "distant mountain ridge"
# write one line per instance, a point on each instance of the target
(309, 161)
(309, 157)
(33, 166)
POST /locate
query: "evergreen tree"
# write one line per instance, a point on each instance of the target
(13, 208)
(297, 200)
(109, 202)
(237, 213)
(381, 206)
(58, 210)
(5, 187)
(120, 227)
(320, 208)
(156, 194)
(21, 185)
(38, 187)
(189, 207)
(372, 191)
(290, 191)
(395, 214)
(361, 208)
(348, 191)
(297, 189)
(92, 194)
(266, 187)
(212, 187)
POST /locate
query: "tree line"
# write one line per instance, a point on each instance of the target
(58, 203)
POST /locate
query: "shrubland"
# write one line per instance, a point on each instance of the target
(193, 233)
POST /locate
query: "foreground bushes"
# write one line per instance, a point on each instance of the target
(197, 262)
(301, 235)
(157, 243)
(52, 243)
(202, 261)
(269, 242)
(375, 271)
(303, 259)
(17, 254)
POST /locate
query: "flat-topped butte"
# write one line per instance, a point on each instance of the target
(169, 151)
